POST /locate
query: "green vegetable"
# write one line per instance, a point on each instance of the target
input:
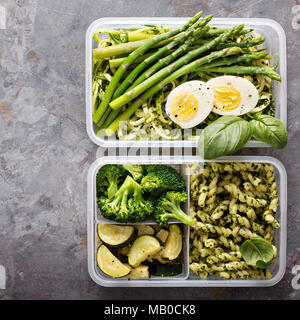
(141, 249)
(160, 178)
(108, 180)
(110, 264)
(130, 60)
(115, 63)
(123, 48)
(139, 89)
(214, 32)
(127, 204)
(270, 130)
(173, 246)
(257, 252)
(243, 44)
(169, 206)
(225, 135)
(245, 58)
(162, 235)
(191, 67)
(245, 70)
(145, 229)
(157, 55)
(170, 57)
(140, 272)
(114, 235)
(135, 170)
(144, 76)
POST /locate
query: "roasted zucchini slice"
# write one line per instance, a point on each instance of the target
(110, 264)
(173, 244)
(124, 250)
(141, 248)
(145, 229)
(162, 235)
(140, 272)
(115, 235)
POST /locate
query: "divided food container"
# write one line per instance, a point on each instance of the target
(275, 42)
(185, 279)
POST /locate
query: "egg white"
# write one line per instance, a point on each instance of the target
(248, 91)
(204, 96)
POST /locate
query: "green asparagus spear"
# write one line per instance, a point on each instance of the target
(214, 32)
(163, 62)
(128, 47)
(113, 127)
(243, 44)
(123, 48)
(160, 64)
(110, 114)
(139, 89)
(245, 58)
(162, 51)
(245, 70)
(115, 63)
(131, 58)
(146, 33)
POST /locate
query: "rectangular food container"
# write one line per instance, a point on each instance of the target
(275, 42)
(185, 279)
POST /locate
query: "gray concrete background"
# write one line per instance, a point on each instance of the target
(45, 152)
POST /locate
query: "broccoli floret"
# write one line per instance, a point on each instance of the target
(168, 206)
(108, 179)
(135, 170)
(161, 178)
(127, 204)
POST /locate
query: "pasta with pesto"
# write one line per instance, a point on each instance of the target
(232, 202)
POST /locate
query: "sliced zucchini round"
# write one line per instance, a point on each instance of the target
(140, 272)
(173, 245)
(109, 264)
(141, 248)
(145, 229)
(114, 235)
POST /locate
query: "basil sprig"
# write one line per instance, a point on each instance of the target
(270, 130)
(257, 252)
(228, 134)
(225, 135)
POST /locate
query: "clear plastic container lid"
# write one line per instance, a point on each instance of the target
(185, 279)
(275, 42)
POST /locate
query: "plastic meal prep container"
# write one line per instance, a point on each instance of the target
(185, 279)
(275, 42)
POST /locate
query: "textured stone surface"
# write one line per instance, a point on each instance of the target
(45, 152)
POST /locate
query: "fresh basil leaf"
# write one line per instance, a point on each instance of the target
(270, 130)
(225, 135)
(257, 252)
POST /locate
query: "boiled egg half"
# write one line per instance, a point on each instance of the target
(190, 103)
(233, 95)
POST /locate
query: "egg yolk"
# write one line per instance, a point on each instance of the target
(184, 106)
(226, 98)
